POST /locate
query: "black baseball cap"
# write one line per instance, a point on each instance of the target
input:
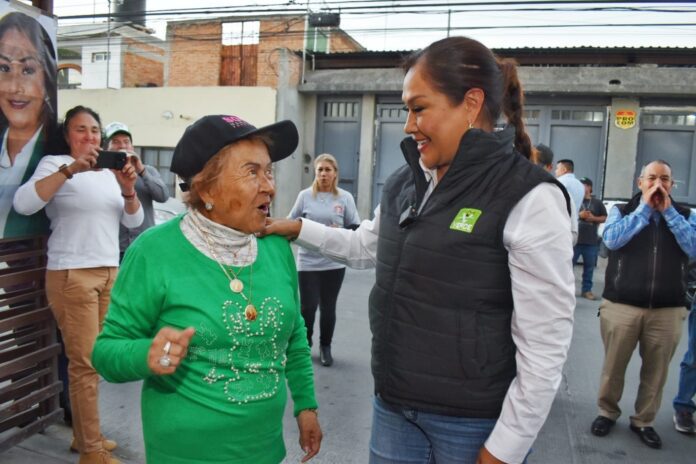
(207, 136)
(586, 181)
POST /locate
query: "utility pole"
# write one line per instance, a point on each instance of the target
(449, 21)
(108, 44)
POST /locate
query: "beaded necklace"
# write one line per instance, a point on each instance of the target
(236, 285)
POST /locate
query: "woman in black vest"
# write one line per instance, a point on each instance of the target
(472, 308)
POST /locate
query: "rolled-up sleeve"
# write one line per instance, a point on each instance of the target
(133, 220)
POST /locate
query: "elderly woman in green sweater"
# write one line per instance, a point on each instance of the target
(208, 314)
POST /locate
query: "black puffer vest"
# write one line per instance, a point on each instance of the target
(650, 270)
(440, 310)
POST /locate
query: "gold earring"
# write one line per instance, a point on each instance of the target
(471, 126)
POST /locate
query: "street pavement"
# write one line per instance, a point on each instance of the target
(345, 395)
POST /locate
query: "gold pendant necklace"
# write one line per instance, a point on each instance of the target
(236, 285)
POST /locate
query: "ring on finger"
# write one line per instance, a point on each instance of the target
(167, 347)
(165, 361)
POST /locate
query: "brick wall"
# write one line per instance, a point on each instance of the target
(143, 64)
(286, 32)
(196, 50)
(194, 53)
(139, 71)
(342, 42)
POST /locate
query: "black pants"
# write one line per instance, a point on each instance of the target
(320, 288)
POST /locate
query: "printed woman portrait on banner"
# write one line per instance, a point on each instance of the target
(27, 113)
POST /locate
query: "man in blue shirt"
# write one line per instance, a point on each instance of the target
(650, 240)
(565, 173)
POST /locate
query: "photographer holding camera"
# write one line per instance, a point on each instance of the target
(149, 185)
(85, 205)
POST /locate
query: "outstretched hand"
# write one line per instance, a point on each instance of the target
(288, 228)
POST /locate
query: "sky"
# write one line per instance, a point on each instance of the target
(562, 24)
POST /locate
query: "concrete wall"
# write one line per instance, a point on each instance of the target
(145, 110)
(94, 74)
(622, 149)
(290, 105)
(562, 81)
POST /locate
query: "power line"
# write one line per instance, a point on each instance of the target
(357, 7)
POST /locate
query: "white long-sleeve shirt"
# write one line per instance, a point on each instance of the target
(84, 213)
(538, 240)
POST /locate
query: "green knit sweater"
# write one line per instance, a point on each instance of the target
(225, 402)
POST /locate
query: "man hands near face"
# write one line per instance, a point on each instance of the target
(657, 198)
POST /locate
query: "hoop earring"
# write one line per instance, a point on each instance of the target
(208, 206)
(471, 126)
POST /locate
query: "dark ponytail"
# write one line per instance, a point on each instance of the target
(457, 64)
(513, 105)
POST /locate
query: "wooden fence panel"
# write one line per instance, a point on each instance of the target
(238, 65)
(29, 385)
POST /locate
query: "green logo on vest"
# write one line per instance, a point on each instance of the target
(465, 220)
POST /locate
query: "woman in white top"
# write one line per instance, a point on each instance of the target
(472, 309)
(320, 278)
(85, 206)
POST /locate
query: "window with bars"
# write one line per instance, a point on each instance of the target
(100, 56)
(669, 119)
(161, 159)
(577, 115)
(338, 109)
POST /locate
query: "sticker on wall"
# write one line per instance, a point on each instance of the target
(625, 119)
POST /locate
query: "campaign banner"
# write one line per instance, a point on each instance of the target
(28, 104)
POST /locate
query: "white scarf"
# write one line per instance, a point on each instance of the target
(229, 246)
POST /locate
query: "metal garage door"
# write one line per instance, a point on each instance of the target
(339, 134)
(389, 131)
(670, 136)
(573, 132)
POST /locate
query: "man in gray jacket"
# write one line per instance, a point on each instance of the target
(149, 186)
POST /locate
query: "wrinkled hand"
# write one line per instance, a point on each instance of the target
(310, 434)
(179, 340)
(126, 178)
(84, 162)
(485, 457)
(288, 228)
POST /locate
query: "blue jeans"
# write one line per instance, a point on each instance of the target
(684, 401)
(407, 436)
(589, 262)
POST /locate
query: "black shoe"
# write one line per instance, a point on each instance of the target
(325, 355)
(648, 435)
(684, 422)
(601, 426)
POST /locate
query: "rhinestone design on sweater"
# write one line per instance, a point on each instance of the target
(254, 348)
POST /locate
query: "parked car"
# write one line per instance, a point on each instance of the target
(168, 210)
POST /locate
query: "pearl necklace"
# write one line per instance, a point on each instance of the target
(236, 285)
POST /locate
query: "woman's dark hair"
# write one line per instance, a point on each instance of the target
(39, 38)
(72, 112)
(457, 64)
(57, 143)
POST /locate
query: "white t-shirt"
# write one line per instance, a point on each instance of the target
(84, 213)
(330, 210)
